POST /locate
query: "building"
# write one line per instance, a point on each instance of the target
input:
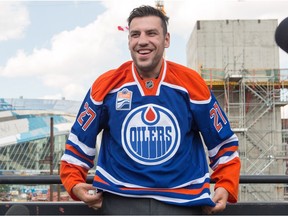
(239, 60)
(25, 129)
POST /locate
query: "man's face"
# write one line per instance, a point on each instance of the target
(147, 43)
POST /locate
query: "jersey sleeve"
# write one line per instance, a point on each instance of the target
(222, 145)
(80, 148)
(71, 175)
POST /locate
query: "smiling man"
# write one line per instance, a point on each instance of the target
(152, 112)
(147, 42)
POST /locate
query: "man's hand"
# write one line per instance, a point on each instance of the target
(220, 198)
(93, 200)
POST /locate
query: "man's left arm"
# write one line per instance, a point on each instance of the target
(227, 176)
(226, 187)
(222, 145)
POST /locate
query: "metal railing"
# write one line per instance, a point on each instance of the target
(79, 208)
(55, 179)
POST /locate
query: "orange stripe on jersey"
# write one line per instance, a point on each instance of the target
(71, 175)
(177, 190)
(189, 79)
(175, 74)
(227, 176)
(223, 151)
(72, 149)
(110, 80)
(98, 179)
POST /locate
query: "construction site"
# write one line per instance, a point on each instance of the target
(239, 61)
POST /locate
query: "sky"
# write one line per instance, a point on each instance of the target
(56, 49)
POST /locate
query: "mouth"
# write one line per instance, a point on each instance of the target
(144, 51)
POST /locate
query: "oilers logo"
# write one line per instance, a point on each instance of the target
(150, 134)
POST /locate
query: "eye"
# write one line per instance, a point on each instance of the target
(134, 34)
(152, 33)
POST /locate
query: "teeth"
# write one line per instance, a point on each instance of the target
(144, 51)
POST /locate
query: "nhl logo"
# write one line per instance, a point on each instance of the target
(149, 84)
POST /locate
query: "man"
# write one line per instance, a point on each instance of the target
(152, 112)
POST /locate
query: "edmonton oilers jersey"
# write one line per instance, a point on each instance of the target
(151, 144)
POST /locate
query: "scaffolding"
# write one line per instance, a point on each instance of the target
(252, 100)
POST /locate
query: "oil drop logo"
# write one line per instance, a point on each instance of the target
(150, 134)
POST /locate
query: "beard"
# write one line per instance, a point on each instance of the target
(148, 66)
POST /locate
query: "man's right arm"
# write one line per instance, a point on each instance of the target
(72, 175)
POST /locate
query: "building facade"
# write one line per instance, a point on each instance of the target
(239, 60)
(25, 133)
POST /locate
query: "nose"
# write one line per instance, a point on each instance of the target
(143, 40)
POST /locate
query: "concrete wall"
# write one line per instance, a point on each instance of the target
(233, 44)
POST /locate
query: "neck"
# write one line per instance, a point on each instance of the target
(149, 73)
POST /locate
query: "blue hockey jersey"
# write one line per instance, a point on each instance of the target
(151, 143)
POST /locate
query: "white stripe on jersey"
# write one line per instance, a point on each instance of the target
(185, 90)
(215, 150)
(115, 181)
(194, 181)
(225, 159)
(72, 160)
(124, 85)
(136, 80)
(175, 200)
(87, 150)
(175, 87)
(163, 76)
(201, 101)
(128, 185)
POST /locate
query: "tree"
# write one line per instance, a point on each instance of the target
(4, 188)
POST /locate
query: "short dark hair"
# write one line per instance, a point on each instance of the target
(146, 10)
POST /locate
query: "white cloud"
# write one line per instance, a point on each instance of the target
(76, 57)
(73, 53)
(14, 19)
(184, 13)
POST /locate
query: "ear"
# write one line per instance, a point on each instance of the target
(167, 40)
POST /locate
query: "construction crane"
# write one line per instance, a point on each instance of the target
(160, 6)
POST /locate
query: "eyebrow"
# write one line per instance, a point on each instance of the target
(148, 30)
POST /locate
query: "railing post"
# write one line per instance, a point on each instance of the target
(51, 154)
